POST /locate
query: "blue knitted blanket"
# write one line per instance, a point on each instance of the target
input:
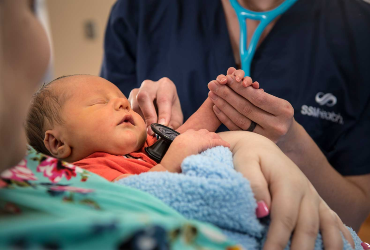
(210, 190)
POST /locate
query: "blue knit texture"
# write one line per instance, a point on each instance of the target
(210, 190)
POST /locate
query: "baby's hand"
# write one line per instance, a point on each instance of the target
(238, 76)
(189, 143)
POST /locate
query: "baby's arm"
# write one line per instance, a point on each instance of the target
(203, 118)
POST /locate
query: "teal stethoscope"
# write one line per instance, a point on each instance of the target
(246, 54)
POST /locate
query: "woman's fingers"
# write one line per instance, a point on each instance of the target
(273, 115)
(258, 184)
(347, 235)
(177, 118)
(145, 98)
(157, 96)
(164, 100)
(287, 187)
(314, 215)
(168, 103)
(242, 104)
(259, 98)
(329, 228)
(243, 112)
(133, 102)
(283, 217)
(228, 115)
(307, 228)
(224, 119)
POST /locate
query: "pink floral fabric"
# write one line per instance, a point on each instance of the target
(55, 170)
(19, 173)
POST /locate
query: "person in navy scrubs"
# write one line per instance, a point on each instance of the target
(313, 63)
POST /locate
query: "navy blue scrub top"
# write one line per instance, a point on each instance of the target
(317, 57)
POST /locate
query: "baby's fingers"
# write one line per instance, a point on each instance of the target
(247, 81)
(256, 85)
(230, 70)
(239, 75)
(222, 79)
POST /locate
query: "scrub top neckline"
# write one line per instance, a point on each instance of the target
(262, 46)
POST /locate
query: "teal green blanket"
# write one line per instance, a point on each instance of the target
(46, 203)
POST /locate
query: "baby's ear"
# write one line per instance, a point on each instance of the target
(56, 147)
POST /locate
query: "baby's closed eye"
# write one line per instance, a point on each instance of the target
(98, 101)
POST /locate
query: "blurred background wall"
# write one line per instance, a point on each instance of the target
(77, 31)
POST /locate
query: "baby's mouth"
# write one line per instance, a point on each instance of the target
(127, 119)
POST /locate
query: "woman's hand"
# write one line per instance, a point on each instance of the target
(296, 208)
(189, 143)
(237, 104)
(157, 102)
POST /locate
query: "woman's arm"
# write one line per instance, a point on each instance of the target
(348, 196)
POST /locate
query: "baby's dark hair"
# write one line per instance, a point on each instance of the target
(45, 106)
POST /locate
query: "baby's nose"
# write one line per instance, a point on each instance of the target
(121, 103)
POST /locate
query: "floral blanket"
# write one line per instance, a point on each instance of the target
(46, 203)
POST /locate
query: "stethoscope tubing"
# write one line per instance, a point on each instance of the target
(246, 54)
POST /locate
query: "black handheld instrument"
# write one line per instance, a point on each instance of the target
(159, 149)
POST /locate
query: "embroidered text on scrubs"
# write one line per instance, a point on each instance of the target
(322, 114)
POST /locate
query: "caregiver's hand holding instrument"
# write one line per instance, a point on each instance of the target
(157, 97)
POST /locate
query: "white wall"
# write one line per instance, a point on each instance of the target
(73, 52)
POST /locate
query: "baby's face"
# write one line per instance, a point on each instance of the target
(98, 117)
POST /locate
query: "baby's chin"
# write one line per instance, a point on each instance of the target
(127, 149)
